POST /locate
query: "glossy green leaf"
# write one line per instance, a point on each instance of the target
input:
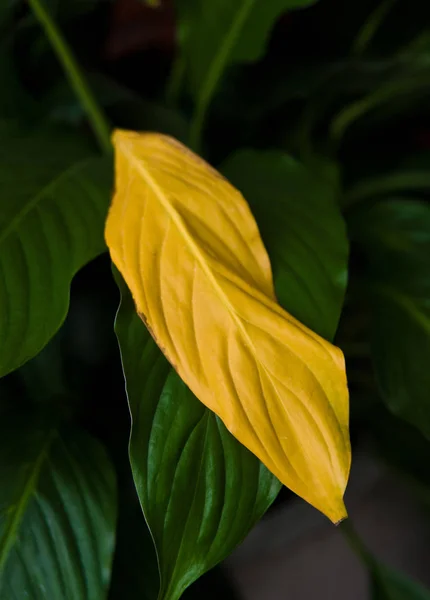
(57, 513)
(201, 491)
(55, 194)
(388, 584)
(303, 231)
(395, 236)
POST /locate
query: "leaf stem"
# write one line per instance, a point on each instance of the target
(402, 182)
(356, 543)
(386, 93)
(73, 72)
(174, 82)
(370, 27)
(214, 74)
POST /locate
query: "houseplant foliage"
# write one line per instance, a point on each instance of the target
(305, 231)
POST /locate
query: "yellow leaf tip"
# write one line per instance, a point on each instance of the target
(337, 512)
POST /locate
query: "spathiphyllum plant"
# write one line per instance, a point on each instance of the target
(262, 208)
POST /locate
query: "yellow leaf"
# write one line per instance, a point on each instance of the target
(186, 243)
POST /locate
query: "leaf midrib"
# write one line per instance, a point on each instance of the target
(9, 535)
(33, 203)
(177, 219)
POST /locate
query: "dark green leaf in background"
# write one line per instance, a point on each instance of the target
(388, 584)
(57, 513)
(200, 489)
(303, 231)
(55, 195)
(395, 236)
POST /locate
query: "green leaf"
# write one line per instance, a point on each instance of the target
(388, 584)
(228, 33)
(57, 513)
(395, 237)
(303, 231)
(55, 195)
(201, 491)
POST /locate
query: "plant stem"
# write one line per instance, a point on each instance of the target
(370, 27)
(356, 543)
(174, 82)
(386, 93)
(395, 184)
(214, 73)
(73, 72)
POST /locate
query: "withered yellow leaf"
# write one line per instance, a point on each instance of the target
(186, 243)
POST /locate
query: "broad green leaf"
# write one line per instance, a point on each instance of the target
(57, 513)
(303, 231)
(396, 239)
(55, 194)
(201, 491)
(189, 250)
(388, 584)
